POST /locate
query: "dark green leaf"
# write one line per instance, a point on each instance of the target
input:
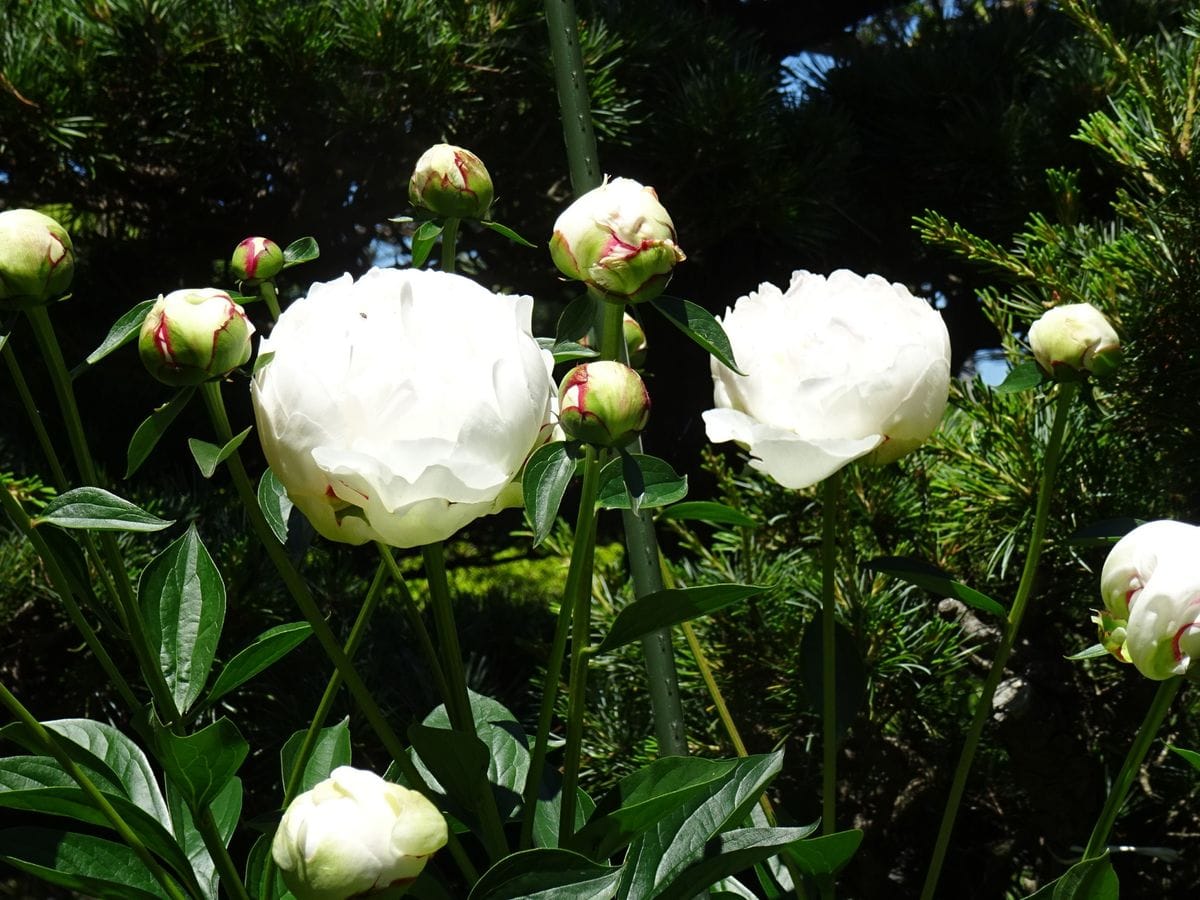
(257, 868)
(567, 351)
(576, 320)
(663, 609)
(265, 650)
(423, 240)
(1190, 755)
(1101, 534)
(935, 581)
(547, 875)
(79, 862)
(729, 853)
(458, 763)
(701, 326)
(201, 764)
(182, 599)
(850, 677)
(275, 504)
(123, 331)
(543, 484)
(74, 565)
(548, 814)
(635, 482)
(707, 511)
(154, 427)
(507, 232)
(1089, 879)
(299, 251)
(226, 809)
(95, 509)
(1091, 652)
(209, 456)
(331, 749)
(1024, 376)
(825, 855)
(661, 485)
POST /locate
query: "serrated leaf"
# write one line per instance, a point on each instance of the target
(1089, 879)
(1190, 755)
(331, 749)
(664, 609)
(264, 651)
(275, 504)
(423, 240)
(209, 456)
(660, 484)
(934, 580)
(91, 865)
(547, 874)
(850, 676)
(505, 231)
(147, 436)
(547, 475)
(700, 325)
(1091, 652)
(708, 511)
(122, 332)
(95, 509)
(182, 599)
(1024, 376)
(300, 251)
(201, 764)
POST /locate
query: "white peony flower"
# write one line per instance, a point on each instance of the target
(400, 407)
(836, 369)
(1151, 589)
(355, 834)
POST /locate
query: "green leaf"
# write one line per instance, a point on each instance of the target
(935, 581)
(95, 509)
(701, 326)
(1024, 376)
(850, 677)
(257, 868)
(79, 862)
(826, 855)
(547, 475)
(660, 485)
(547, 875)
(74, 564)
(658, 855)
(423, 240)
(201, 764)
(122, 332)
(226, 809)
(265, 650)
(153, 428)
(331, 749)
(576, 320)
(548, 815)
(729, 853)
(707, 511)
(457, 763)
(275, 504)
(209, 456)
(1091, 652)
(182, 599)
(1103, 533)
(299, 251)
(262, 361)
(1190, 755)
(505, 231)
(1089, 879)
(664, 609)
(567, 351)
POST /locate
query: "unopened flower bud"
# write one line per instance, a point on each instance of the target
(453, 182)
(603, 403)
(190, 336)
(255, 260)
(356, 835)
(37, 260)
(619, 240)
(1071, 341)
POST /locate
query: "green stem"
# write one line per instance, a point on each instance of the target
(983, 706)
(578, 598)
(35, 417)
(231, 879)
(432, 660)
(50, 744)
(449, 244)
(266, 290)
(830, 495)
(1133, 763)
(571, 82)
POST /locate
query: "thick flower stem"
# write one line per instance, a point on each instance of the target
(830, 495)
(432, 660)
(449, 244)
(34, 416)
(1167, 690)
(578, 597)
(266, 290)
(571, 81)
(983, 706)
(50, 745)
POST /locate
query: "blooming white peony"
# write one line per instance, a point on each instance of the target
(1151, 589)
(400, 407)
(355, 834)
(836, 369)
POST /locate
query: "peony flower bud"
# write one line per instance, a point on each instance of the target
(603, 403)
(1151, 589)
(619, 240)
(255, 260)
(836, 369)
(193, 335)
(37, 260)
(1072, 341)
(635, 341)
(450, 181)
(356, 835)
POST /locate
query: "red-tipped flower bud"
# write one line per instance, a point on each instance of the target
(603, 403)
(255, 260)
(193, 335)
(37, 260)
(453, 182)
